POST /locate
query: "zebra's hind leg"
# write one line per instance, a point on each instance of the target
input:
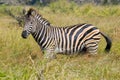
(92, 48)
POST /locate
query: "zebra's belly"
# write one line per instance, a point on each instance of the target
(67, 51)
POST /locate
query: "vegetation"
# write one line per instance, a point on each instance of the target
(15, 52)
(46, 2)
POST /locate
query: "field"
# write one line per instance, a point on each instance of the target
(15, 52)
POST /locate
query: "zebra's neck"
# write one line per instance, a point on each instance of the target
(43, 31)
(42, 20)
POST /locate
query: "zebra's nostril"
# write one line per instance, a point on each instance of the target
(24, 34)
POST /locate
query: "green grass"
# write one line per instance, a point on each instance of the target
(15, 62)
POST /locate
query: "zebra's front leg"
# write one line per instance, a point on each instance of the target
(49, 54)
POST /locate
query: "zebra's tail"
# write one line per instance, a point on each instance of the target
(109, 42)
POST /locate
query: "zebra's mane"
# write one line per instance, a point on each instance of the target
(29, 13)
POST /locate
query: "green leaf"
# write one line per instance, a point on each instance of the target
(2, 75)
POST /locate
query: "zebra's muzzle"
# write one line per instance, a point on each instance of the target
(24, 34)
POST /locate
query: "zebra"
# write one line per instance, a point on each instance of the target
(66, 40)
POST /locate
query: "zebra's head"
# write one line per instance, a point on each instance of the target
(30, 22)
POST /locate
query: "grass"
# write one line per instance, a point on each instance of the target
(15, 62)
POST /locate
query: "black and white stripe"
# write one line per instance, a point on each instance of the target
(72, 39)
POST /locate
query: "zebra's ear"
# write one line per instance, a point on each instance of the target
(33, 13)
(24, 11)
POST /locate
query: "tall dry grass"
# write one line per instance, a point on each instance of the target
(15, 62)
